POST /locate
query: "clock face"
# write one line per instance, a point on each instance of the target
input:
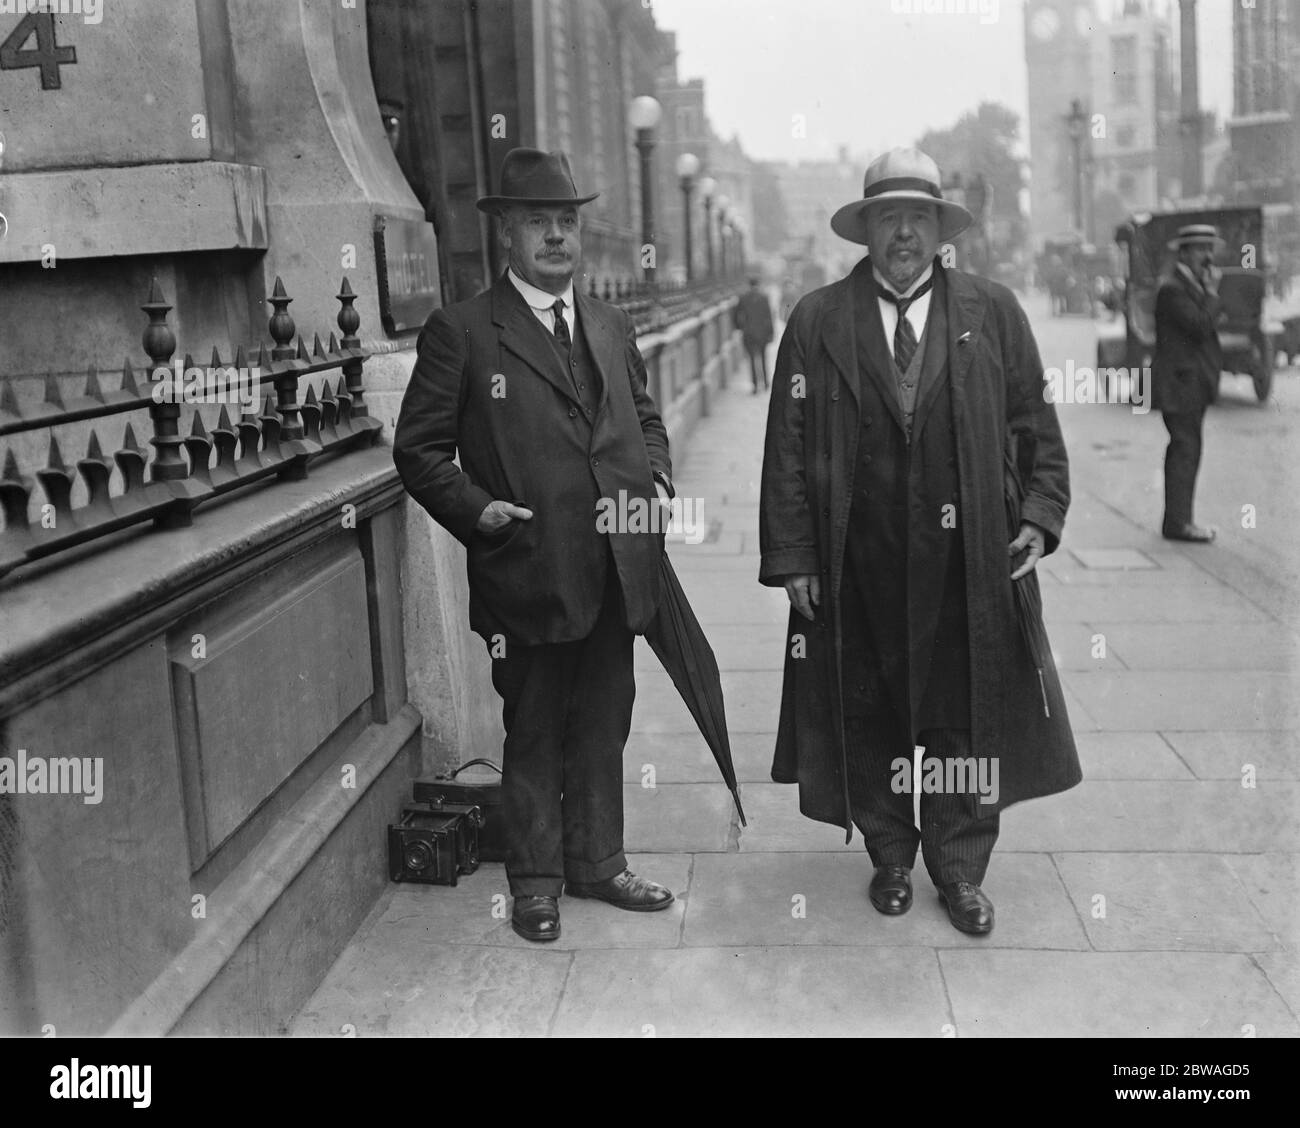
(1083, 20)
(1044, 24)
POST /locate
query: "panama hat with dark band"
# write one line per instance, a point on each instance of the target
(1194, 233)
(901, 175)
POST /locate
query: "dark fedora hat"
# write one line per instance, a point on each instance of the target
(529, 176)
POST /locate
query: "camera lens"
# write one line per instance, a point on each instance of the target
(419, 857)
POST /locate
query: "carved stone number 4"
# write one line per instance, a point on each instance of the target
(47, 54)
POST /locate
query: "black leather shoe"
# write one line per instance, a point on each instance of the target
(625, 890)
(1189, 532)
(536, 918)
(968, 908)
(891, 889)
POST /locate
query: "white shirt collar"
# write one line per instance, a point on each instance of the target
(885, 284)
(540, 299)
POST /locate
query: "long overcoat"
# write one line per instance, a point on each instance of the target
(488, 386)
(1001, 418)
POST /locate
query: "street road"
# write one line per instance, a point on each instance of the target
(1251, 458)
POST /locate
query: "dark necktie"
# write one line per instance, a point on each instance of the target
(561, 326)
(904, 334)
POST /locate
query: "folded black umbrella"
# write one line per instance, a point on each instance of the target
(1028, 596)
(678, 641)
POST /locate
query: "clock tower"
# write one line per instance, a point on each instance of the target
(1058, 39)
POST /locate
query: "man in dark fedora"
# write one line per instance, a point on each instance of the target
(1185, 369)
(913, 471)
(541, 392)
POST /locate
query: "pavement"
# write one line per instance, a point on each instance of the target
(1157, 898)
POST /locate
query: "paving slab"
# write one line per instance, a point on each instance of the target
(775, 824)
(1282, 970)
(754, 646)
(1211, 816)
(740, 992)
(750, 899)
(1190, 602)
(733, 603)
(1113, 559)
(1272, 882)
(1163, 902)
(675, 818)
(1075, 646)
(1128, 755)
(476, 912)
(717, 542)
(1224, 755)
(751, 704)
(439, 990)
(1201, 646)
(686, 758)
(1000, 993)
(1187, 701)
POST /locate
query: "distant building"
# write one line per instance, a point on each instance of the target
(1264, 159)
(813, 190)
(1135, 152)
(1059, 61)
(686, 129)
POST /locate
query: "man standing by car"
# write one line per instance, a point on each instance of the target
(1185, 369)
(541, 391)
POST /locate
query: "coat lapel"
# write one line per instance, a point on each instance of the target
(603, 341)
(875, 356)
(522, 334)
(837, 336)
(935, 357)
(966, 309)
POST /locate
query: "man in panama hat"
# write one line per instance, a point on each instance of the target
(541, 391)
(914, 470)
(1185, 369)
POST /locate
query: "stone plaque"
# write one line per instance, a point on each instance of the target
(406, 252)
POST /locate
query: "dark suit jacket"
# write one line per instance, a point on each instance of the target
(1185, 369)
(488, 385)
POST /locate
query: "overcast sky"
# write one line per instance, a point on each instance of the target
(864, 76)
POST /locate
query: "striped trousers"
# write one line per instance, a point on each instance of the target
(955, 841)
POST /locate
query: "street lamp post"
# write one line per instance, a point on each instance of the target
(688, 167)
(740, 227)
(724, 214)
(707, 187)
(1076, 121)
(643, 116)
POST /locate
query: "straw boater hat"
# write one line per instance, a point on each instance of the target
(901, 174)
(1196, 233)
(529, 176)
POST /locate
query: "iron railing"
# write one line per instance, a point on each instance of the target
(277, 437)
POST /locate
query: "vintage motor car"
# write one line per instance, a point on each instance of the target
(1245, 336)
